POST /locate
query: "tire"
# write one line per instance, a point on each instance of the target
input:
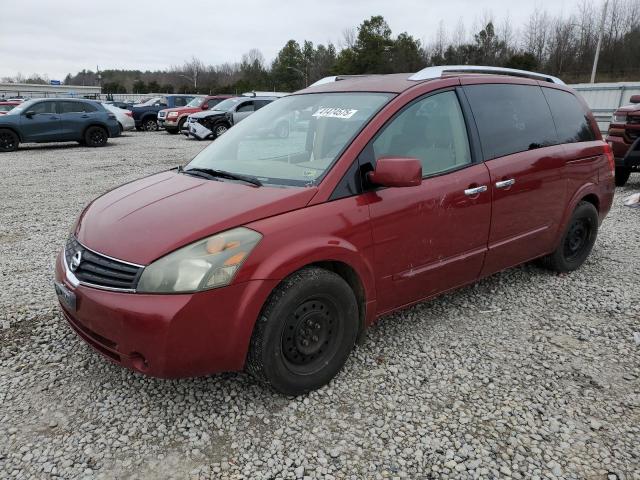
(150, 125)
(9, 141)
(181, 123)
(121, 128)
(282, 130)
(622, 175)
(96, 137)
(577, 240)
(305, 332)
(220, 129)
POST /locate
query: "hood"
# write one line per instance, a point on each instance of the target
(633, 108)
(143, 220)
(207, 113)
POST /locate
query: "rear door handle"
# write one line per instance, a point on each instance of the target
(84, 116)
(470, 192)
(505, 183)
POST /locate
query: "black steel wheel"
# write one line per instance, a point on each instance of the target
(9, 141)
(96, 137)
(305, 332)
(577, 242)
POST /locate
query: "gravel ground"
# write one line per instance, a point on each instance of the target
(525, 375)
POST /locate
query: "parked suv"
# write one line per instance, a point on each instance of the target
(624, 138)
(224, 115)
(146, 114)
(274, 254)
(57, 120)
(173, 119)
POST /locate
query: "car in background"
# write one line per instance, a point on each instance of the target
(624, 138)
(7, 106)
(124, 117)
(173, 119)
(226, 114)
(145, 114)
(273, 255)
(122, 105)
(57, 120)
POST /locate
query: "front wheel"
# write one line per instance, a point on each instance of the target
(220, 129)
(622, 175)
(95, 137)
(150, 125)
(577, 241)
(305, 332)
(9, 141)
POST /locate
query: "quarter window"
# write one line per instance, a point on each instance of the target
(511, 118)
(571, 118)
(432, 130)
(245, 107)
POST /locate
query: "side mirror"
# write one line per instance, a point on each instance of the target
(635, 99)
(29, 114)
(397, 172)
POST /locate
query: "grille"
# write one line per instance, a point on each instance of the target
(101, 271)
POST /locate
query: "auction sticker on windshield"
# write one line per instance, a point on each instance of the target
(333, 112)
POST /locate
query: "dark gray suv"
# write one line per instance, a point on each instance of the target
(57, 120)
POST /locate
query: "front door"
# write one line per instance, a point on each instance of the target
(527, 166)
(243, 111)
(433, 237)
(42, 124)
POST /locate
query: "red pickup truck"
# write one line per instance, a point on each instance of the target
(624, 138)
(172, 119)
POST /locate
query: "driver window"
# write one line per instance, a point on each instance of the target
(245, 107)
(43, 107)
(432, 130)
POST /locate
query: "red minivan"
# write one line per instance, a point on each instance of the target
(274, 254)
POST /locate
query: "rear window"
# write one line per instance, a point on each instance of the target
(511, 118)
(570, 116)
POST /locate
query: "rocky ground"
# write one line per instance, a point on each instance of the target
(525, 375)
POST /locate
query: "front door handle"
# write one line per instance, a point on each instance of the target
(470, 192)
(505, 183)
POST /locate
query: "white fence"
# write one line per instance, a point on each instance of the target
(605, 98)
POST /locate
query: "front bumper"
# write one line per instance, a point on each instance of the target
(626, 155)
(168, 336)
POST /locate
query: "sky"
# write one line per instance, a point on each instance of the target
(56, 38)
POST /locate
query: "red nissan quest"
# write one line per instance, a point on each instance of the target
(272, 254)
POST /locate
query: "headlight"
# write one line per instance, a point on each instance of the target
(205, 264)
(619, 118)
(172, 114)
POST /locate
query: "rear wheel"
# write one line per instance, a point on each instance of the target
(577, 241)
(150, 125)
(95, 137)
(9, 141)
(305, 332)
(622, 175)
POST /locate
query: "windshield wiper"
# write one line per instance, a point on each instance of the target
(224, 174)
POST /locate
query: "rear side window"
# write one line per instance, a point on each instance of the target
(261, 103)
(570, 116)
(75, 107)
(181, 101)
(511, 118)
(213, 102)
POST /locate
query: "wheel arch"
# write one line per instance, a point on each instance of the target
(14, 130)
(96, 124)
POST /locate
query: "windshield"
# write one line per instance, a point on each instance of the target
(23, 107)
(228, 104)
(294, 140)
(151, 101)
(196, 102)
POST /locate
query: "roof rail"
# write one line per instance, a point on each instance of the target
(431, 73)
(336, 78)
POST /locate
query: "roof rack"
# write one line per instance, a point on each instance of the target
(431, 73)
(336, 78)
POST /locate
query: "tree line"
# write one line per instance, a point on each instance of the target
(563, 46)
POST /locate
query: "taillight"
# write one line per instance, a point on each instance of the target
(128, 113)
(608, 152)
